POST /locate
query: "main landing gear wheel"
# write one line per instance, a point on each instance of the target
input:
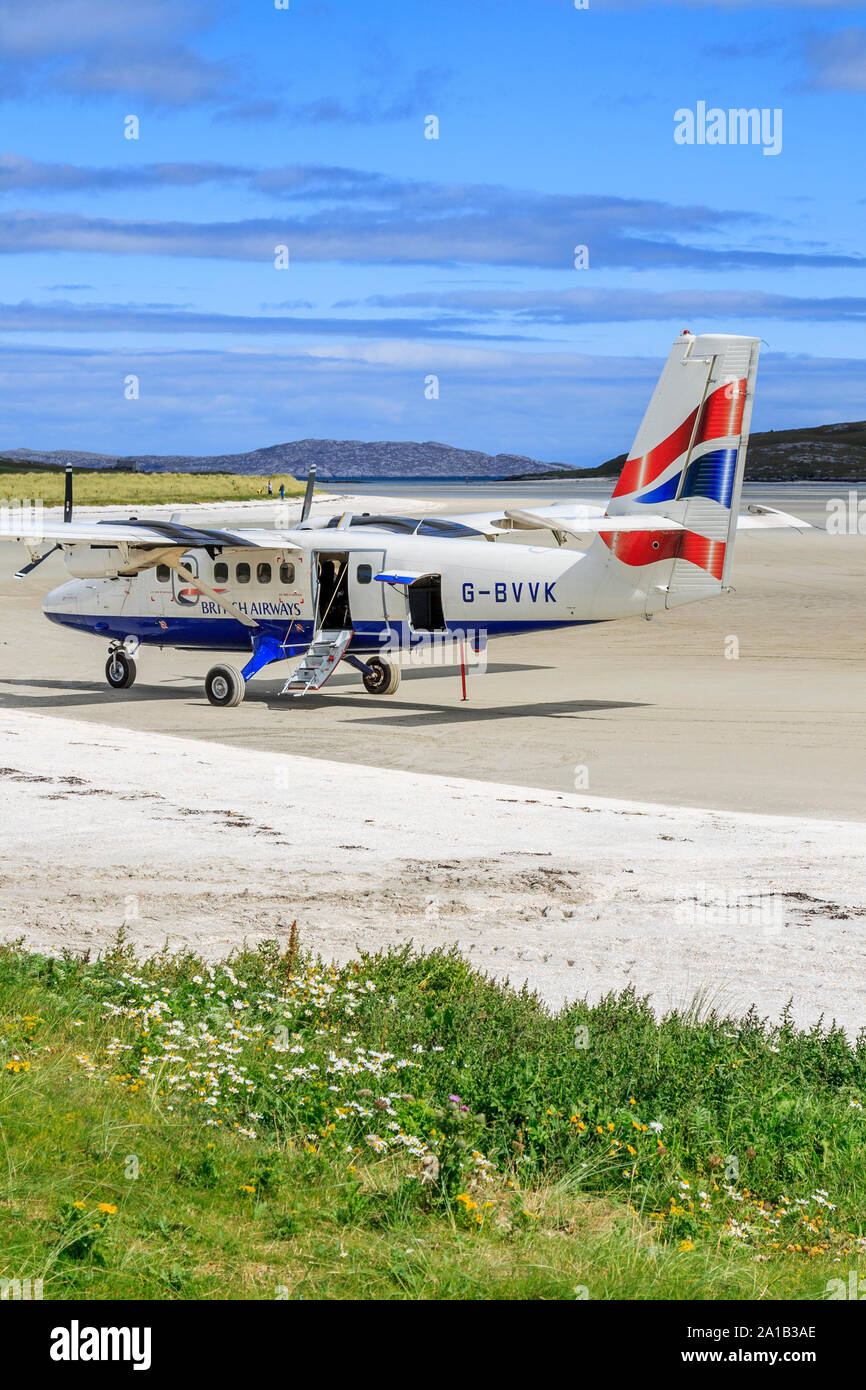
(120, 670)
(224, 686)
(382, 678)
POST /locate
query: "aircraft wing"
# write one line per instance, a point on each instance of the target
(588, 518)
(587, 525)
(28, 525)
(492, 522)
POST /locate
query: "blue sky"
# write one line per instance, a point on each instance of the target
(305, 127)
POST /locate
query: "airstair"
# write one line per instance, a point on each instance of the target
(320, 662)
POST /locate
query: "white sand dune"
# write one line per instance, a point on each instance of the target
(205, 845)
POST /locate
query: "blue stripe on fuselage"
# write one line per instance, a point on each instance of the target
(227, 635)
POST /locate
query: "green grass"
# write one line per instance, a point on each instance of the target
(95, 488)
(304, 1141)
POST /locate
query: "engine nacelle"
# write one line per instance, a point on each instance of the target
(88, 561)
(94, 561)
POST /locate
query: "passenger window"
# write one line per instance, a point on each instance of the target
(263, 572)
(364, 574)
(287, 574)
(163, 574)
(220, 572)
(242, 572)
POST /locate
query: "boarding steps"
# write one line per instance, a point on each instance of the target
(320, 662)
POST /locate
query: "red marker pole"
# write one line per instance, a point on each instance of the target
(463, 670)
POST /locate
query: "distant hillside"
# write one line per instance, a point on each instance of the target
(334, 458)
(828, 453)
(824, 452)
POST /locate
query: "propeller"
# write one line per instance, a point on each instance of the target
(28, 569)
(308, 495)
(67, 516)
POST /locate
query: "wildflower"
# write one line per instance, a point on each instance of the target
(247, 1187)
(80, 1205)
(107, 1207)
(686, 1245)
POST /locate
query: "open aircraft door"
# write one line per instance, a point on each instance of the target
(372, 601)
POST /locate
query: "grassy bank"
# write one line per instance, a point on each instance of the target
(105, 488)
(403, 1128)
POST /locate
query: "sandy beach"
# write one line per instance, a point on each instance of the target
(712, 846)
(193, 844)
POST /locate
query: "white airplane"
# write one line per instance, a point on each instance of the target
(360, 588)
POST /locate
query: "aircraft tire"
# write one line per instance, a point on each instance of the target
(384, 677)
(224, 686)
(120, 670)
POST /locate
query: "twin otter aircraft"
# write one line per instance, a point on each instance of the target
(360, 588)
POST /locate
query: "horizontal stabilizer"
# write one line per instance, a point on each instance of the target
(761, 518)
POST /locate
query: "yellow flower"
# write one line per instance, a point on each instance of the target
(686, 1245)
(632, 1100)
(107, 1207)
(80, 1205)
(247, 1187)
(610, 1126)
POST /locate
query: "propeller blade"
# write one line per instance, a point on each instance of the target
(67, 497)
(308, 495)
(28, 569)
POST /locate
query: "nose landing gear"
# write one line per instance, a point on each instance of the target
(120, 668)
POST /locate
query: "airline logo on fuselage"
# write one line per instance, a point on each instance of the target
(265, 609)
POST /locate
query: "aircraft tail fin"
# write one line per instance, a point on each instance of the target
(687, 463)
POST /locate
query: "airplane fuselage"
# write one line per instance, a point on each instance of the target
(470, 587)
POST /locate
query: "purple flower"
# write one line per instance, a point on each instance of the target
(456, 1099)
